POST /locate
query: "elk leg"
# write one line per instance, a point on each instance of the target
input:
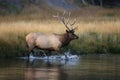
(30, 50)
(28, 55)
(66, 57)
(49, 53)
(59, 52)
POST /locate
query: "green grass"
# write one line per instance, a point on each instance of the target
(88, 43)
(93, 42)
(99, 31)
(13, 49)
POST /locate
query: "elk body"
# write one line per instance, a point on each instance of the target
(53, 41)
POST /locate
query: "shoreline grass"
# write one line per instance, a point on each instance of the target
(99, 35)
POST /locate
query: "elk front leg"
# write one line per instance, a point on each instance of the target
(30, 51)
(60, 57)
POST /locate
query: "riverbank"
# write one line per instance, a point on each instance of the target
(96, 35)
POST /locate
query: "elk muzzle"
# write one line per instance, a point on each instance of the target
(76, 37)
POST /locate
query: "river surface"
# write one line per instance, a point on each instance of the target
(88, 67)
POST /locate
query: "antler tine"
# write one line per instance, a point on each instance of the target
(73, 22)
(63, 17)
(68, 20)
(75, 28)
(63, 20)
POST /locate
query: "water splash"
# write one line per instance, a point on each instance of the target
(55, 58)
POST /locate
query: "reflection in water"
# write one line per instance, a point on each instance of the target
(89, 67)
(41, 74)
(46, 72)
(96, 67)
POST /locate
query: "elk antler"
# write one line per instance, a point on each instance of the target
(72, 25)
(66, 20)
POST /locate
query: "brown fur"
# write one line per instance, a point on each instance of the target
(64, 38)
(50, 42)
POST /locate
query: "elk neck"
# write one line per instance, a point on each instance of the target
(65, 39)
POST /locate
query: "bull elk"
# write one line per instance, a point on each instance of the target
(52, 41)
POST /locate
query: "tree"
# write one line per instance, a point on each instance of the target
(101, 3)
(84, 2)
(92, 2)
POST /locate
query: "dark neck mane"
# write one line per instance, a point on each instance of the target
(64, 38)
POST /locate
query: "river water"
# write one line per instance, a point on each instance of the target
(88, 67)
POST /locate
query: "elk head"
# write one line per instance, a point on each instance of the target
(65, 19)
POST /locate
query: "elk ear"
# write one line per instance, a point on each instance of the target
(67, 31)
